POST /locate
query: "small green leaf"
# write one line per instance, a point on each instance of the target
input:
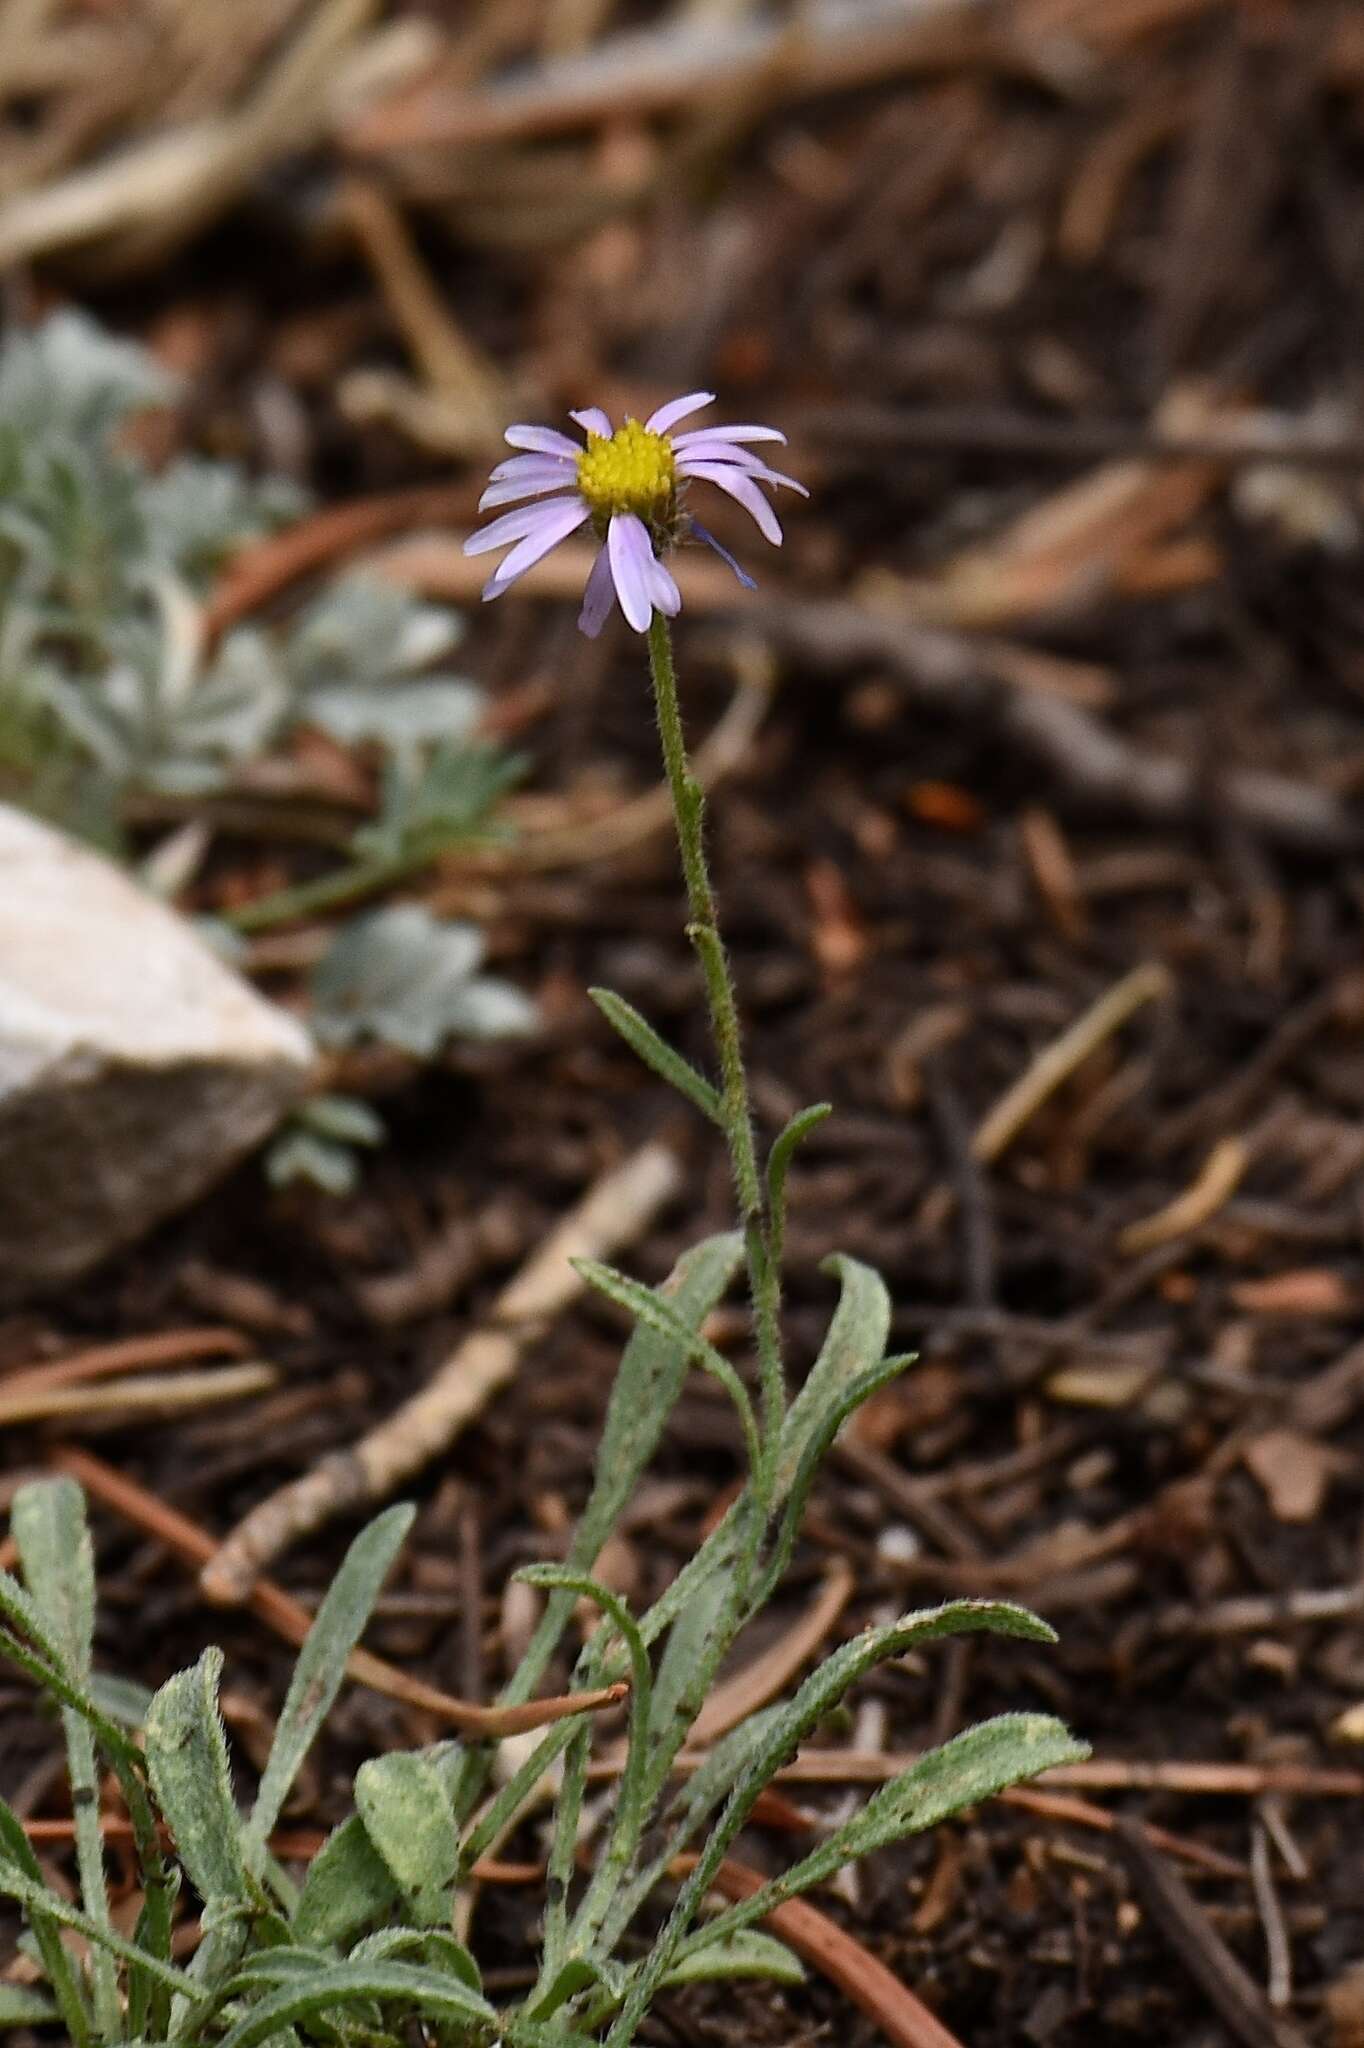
(48, 1524)
(578, 1974)
(403, 1802)
(188, 1762)
(779, 1164)
(337, 1627)
(348, 1886)
(658, 1055)
(21, 2006)
(743, 1954)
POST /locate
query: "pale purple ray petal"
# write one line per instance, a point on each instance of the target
(692, 459)
(723, 552)
(660, 420)
(714, 450)
(666, 594)
(627, 541)
(593, 420)
(598, 597)
(514, 525)
(520, 487)
(547, 440)
(555, 528)
(533, 465)
(746, 493)
(774, 476)
(739, 433)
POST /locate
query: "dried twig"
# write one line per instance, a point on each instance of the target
(290, 1620)
(141, 1394)
(129, 1354)
(837, 43)
(1234, 1995)
(1214, 1185)
(1059, 1060)
(613, 1213)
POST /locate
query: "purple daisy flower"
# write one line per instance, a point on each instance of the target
(629, 483)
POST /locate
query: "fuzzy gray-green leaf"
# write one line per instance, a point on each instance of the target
(856, 1339)
(321, 1666)
(403, 1802)
(348, 1887)
(658, 1055)
(188, 1762)
(48, 1524)
(743, 1954)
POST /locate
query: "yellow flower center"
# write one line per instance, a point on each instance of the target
(634, 471)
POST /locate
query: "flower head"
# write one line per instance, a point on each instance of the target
(630, 484)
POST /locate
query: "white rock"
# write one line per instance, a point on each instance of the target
(134, 1067)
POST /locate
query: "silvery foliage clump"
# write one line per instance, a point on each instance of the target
(105, 685)
(108, 692)
(368, 1939)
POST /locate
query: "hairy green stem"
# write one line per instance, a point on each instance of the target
(703, 929)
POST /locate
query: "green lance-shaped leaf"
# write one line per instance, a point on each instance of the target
(779, 1165)
(816, 1698)
(321, 1667)
(348, 1887)
(856, 1339)
(405, 1806)
(972, 1767)
(188, 1761)
(650, 1308)
(652, 1370)
(745, 1954)
(658, 1055)
(17, 1850)
(49, 1527)
(333, 1988)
